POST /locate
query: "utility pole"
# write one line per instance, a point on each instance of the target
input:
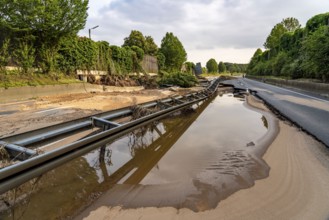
(91, 29)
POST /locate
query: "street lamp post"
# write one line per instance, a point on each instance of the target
(91, 29)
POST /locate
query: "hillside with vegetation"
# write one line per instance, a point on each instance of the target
(294, 52)
(40, 38)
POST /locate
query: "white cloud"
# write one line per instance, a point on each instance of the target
(228, 30)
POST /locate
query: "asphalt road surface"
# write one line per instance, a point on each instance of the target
(308, 111)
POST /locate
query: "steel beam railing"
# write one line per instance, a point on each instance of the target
(16, 174)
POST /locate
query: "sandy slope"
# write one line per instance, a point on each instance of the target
(297, 187)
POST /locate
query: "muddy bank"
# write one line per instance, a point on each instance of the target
(32, 92)
(44, 111)
(296, 187)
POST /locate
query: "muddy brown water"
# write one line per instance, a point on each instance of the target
(192, 160)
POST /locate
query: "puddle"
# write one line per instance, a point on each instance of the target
(191, 160)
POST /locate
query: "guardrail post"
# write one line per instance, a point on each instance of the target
(18, 152)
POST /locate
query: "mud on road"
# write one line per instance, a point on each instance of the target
(19, 117)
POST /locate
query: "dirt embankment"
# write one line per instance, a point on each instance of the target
(295, 189)
(49, 110)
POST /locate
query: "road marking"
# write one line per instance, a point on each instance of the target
(3, 113)
(17, 103)
(131, 172)
(52, 109)
(323, 100)
(47, 145)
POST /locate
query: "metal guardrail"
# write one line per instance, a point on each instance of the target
(16, 174)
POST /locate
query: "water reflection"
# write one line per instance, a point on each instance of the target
(189, 160)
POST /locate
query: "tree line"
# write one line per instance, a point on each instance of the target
(225, 67)
(42, 35)
(293, 51)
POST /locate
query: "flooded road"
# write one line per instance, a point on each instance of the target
(192, 160)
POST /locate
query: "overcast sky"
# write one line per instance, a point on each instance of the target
(227, 30)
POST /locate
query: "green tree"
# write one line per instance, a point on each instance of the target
(291, 24)
(87, 50)
(104, 56)
(243, 67)
(228, 66)
(286, 25)
(317, 21)
(278, 63)
(232, 68)
(47, 21)
(180, 79)
(258, 53)
(293, 69)
(287, 41)
(139, 53)
(190, 66)
(284, 61)
(69, 58)
(295, 52)
(316, 53)
(136, 38)
(161, 60)
(44, 23)
(125, 60)
(173, 51)
(254, 61)
(24, 57)
(48, 58)
(150, 47)
(4, 54)
(273, 40)
(212, 66)
(237, 68)
(221, 67)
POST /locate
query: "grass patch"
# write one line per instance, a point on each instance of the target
(264, 77)
(269, 77)
(13, 78)
(184, 80)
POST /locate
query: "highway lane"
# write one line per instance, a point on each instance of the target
(310, 112)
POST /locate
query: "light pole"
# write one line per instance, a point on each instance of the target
(91, 29)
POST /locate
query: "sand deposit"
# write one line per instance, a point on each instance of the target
(297, 186)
